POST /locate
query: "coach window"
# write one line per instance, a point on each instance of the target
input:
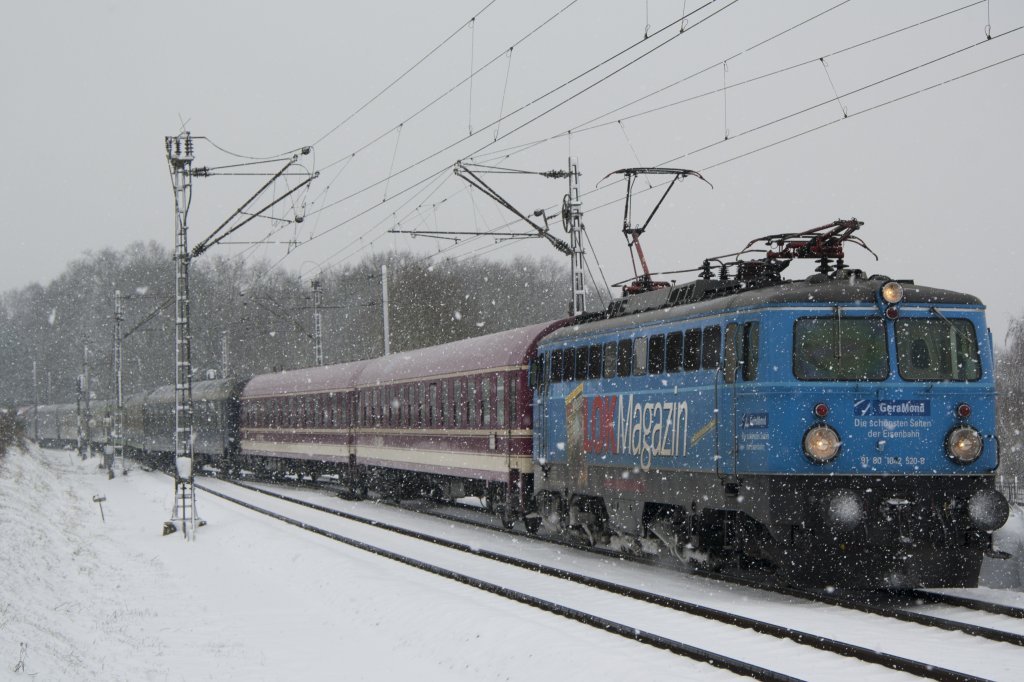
(711, 347)
(513, 406)
(473, 417)
(406, 400)
(499, 400)
(640, 356)
(751, 334)
(434, 415)
(582, 363)
(610, 359)
(691, 350)
(656, 354)
(445, 407)
(485, 399)
(674, 352)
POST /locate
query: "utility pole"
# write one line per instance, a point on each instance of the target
(574, 226)
(318, 342)
(384, 305)
(87, 413)
(118, 435)
(179, 161)
(35, 404)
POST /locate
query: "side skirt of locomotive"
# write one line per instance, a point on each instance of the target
(843, 531)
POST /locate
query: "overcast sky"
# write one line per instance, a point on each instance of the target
(90, 89)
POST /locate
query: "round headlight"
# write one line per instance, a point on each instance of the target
(964, 444)
(892, 292)
(821, 443)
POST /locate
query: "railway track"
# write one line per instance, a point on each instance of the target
(647, 635)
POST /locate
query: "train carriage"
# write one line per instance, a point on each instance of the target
(214, 422)
(453, 419)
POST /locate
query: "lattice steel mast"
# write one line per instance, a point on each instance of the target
(574, 226)
(179, 161)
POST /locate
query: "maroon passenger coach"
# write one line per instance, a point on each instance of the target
(452, 420)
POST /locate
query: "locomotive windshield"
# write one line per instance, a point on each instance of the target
(840, 349)
(937, 349)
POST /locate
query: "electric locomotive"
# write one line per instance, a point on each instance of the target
(836, 430)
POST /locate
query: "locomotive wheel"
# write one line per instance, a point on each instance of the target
(532, 524)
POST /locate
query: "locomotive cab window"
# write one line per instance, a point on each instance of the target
(840, 349)
(937, 349)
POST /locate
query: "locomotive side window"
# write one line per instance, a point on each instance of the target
(640, 356)
(840, 349)
(691, 350)
(595, 362)
(936, 349)
(731, 358)
(624, 363)
(556, 366)
(674, 352)
(656, 354)
(610, 355)
(710, 356)
(751, 354)
(582, 363)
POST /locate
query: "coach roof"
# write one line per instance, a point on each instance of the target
(504, 349)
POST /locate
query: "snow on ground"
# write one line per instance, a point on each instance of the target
(250, 599)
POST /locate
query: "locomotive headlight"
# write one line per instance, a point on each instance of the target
(964, 444)
(891, 292)
(821, 443)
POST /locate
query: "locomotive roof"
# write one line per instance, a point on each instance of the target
(654, 306)
(510, 348)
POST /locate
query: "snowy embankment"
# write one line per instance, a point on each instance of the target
(251, 599)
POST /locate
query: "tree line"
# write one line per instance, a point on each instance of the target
(258, 318)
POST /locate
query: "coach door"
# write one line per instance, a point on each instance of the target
(349, 410)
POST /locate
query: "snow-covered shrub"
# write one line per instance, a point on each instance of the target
(12, 431)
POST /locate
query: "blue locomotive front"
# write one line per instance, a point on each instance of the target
(838, 430)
